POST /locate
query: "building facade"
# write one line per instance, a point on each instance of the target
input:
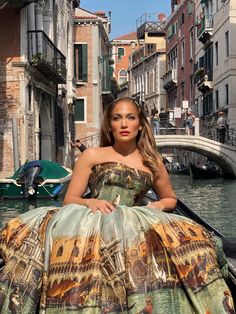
(121, 49)
(215, 67)
(148, 64)
(92, 69)
(36, 92)
(178, 80)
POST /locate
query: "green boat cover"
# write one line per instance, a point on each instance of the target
(50, 170)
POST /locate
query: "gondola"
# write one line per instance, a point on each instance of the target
(206, 171)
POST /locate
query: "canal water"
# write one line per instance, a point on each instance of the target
(214, 200)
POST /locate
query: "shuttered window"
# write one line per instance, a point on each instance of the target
(79, 110)
(81, 62)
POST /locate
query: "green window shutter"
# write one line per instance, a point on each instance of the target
(84, 63)
(81, 62)
(79, 110)
(121, 52)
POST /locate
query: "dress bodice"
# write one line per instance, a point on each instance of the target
(117, 182)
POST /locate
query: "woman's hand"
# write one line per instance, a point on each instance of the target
(105, 207)
(165, 204)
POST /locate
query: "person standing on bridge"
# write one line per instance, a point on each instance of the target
(221, 127)
(78, 146)
(155, 122)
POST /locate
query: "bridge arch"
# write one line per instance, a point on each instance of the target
(224, 155)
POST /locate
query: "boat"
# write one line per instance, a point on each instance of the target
(36, 179)
(229, 244)
(207, 171)
(180, 169)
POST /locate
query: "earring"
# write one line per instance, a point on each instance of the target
(140, 128)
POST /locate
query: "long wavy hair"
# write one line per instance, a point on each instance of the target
(145, 139)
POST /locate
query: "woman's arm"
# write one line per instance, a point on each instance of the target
(79, 183)
(164, 190)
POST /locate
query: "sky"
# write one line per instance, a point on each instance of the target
(124, 13)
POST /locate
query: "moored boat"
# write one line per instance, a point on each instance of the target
(180, 169)
(207, 171)
(36, 179)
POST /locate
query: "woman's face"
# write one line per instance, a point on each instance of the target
(125, 122)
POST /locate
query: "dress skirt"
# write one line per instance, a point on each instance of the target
(135, 260)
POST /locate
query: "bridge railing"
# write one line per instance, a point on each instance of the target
(209, 130)
(91, 140)
(172, 131)
(206, 129)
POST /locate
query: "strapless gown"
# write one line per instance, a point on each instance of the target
(135, 260)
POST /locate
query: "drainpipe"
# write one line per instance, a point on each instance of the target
(15, 144)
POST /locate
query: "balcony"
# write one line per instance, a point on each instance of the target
(204, 29)
(170, 79)
(148, 23)
(16, 4)
(46, 57)
(203, 79)
(137, 56)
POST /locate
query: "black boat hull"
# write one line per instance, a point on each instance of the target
(204, 173)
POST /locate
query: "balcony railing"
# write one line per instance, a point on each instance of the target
(170, 79)
(203, 79)
(46, 57)
(204, 28)
(148, 23)
(137, 55)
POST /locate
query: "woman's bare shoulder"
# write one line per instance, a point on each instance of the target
(95, 155)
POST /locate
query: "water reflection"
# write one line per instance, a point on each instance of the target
(12, 208)
(214, 200)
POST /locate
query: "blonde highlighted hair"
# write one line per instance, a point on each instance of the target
(145, 139)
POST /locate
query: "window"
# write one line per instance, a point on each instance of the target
(172, 59)
(216, 53)
(81, 62)
(208, 104)
(182, 92)
(121, 52)
(123, 77)
(227, 44)
(79, 105)
(191, 44)
(227, 94)
(217, 99)
(29, 92)
(182, 53)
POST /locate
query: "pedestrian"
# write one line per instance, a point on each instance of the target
(77, 145)
(189, 123)
(221, 127)
(163, 116)
(110, 246)
(146, 111)
(155, 122)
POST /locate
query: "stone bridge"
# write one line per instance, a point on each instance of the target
(224, 155)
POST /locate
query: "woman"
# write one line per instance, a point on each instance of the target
(155, 122)
(106, 253)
